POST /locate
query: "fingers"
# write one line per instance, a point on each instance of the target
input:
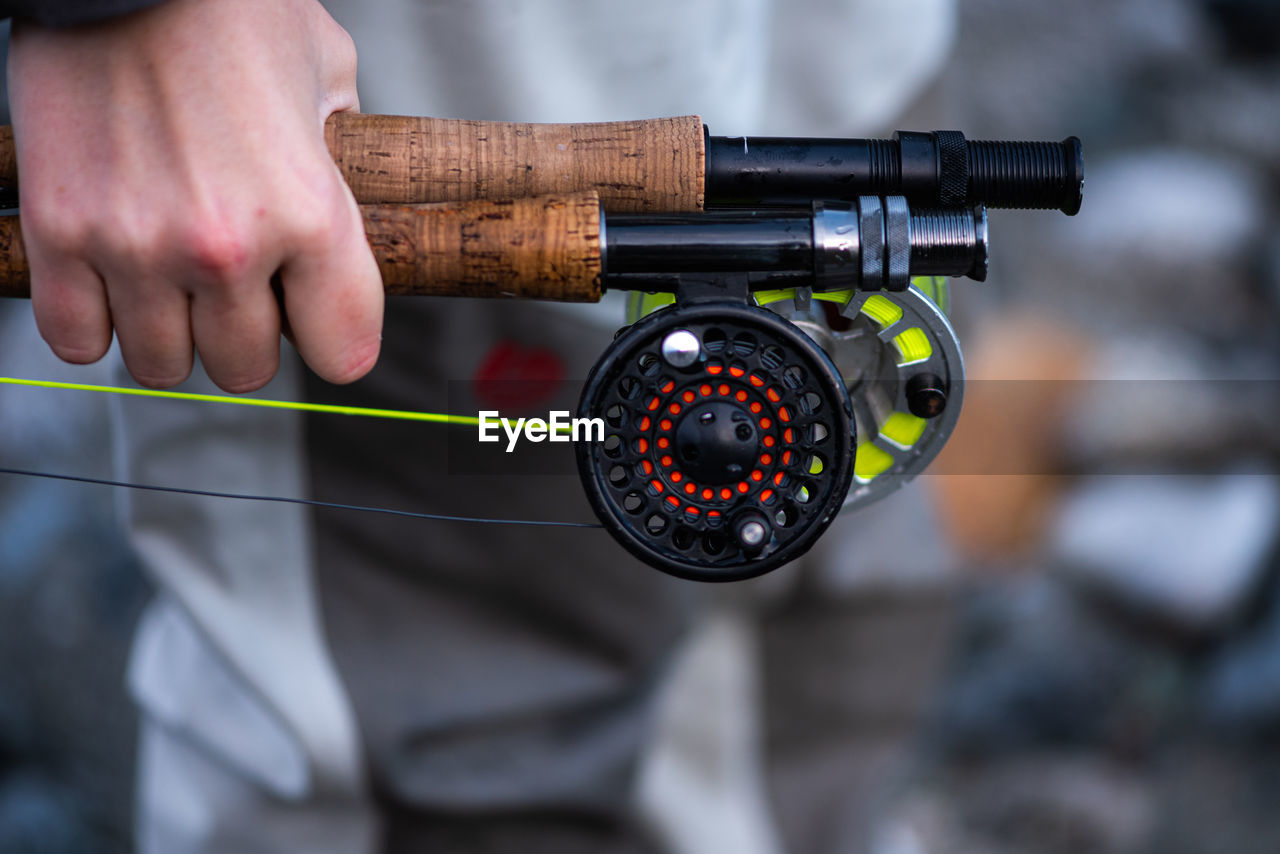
(70, 306)
(169, 296)
(153, 325)
(236, 330)
(334, 299)
(218, 298)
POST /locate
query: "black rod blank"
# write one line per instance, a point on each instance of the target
(869, 243)
(936, 169)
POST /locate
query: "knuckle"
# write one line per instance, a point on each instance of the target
(55, 230)
(341, 56)
(316, 226)
(345, 53)
(136, 244)
(219, 249)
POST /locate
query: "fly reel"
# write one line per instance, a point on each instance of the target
(732, 429)
(728, 444)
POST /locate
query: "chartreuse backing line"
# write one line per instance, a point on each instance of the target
(432, 417)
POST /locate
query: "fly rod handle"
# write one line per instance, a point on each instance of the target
(539, 248)
(635, 166)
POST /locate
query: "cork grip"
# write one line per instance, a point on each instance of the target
(654, 165)
(651, 165)
(540, 248)
(8, 158)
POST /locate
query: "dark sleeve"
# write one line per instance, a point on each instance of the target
(64, 13)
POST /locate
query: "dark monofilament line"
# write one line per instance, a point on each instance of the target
(280, 499)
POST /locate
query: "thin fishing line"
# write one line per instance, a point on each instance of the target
(280, 499)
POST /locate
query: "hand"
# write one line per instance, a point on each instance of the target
(172, 162)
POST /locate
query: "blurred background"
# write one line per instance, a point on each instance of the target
(1087, 657)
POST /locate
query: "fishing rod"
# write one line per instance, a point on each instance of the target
(567, 248)
(720, 415)
(676, 165)
(788, 353)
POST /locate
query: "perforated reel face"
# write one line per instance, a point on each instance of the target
(728, 444)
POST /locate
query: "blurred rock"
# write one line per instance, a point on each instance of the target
(39, 817)
(1168, 238)
(1021, 68)
(1036, 667)
(1250, 27)
(1241, 691)
(1184, 549)
(1162, 401)
(895, 545)
(1043, 803)
(1213, 797)
(1171, 207)
(1232, 110)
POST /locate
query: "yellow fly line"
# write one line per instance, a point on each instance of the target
(431, 417)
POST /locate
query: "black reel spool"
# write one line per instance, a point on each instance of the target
(728, 442)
